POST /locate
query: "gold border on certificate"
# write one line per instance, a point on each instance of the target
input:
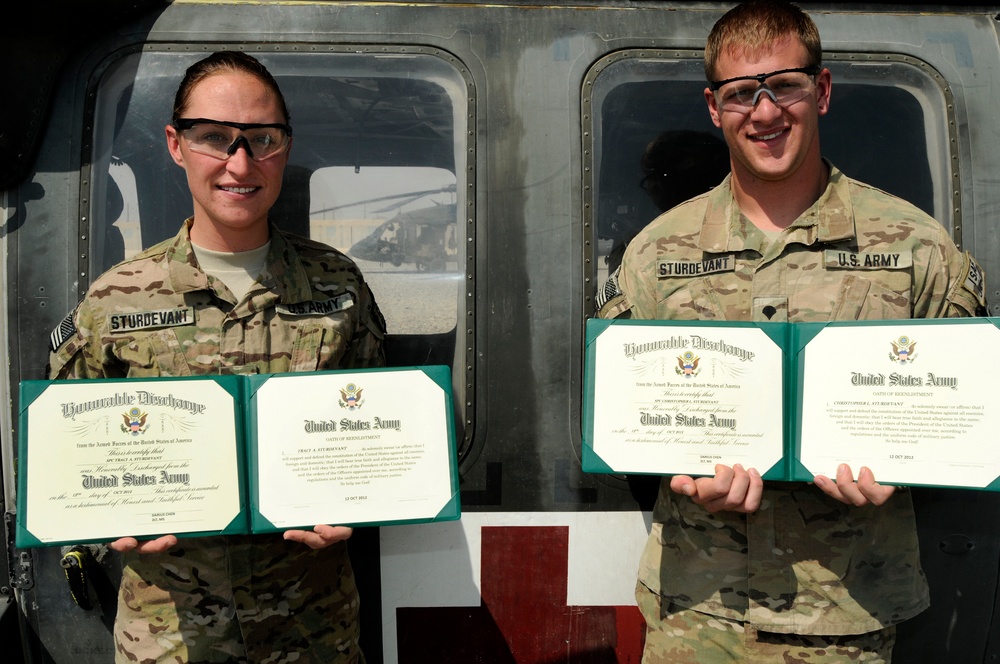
(675, 399)
(911, 402)
(352, 448)
(109, 459)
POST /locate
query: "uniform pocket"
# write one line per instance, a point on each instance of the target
(864, 299)
(319, 344)
(154, 353)
(696, 299)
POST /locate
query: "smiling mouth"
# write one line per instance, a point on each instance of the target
(239, 190)
(768, 137)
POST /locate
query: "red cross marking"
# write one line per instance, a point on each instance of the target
(523, 617)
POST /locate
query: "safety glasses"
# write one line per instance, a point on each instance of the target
(221, 139)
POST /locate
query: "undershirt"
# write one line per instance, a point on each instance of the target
(238, 270)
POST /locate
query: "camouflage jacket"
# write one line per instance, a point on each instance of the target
(310, 310)
(159, 314)
(803, 563)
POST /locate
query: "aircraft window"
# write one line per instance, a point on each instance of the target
(889, 126)
(381, 137)
(400, 226)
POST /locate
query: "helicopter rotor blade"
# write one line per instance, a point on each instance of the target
(410, 196)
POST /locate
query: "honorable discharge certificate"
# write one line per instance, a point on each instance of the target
(914, 403)
(677, 399)
(130, 458)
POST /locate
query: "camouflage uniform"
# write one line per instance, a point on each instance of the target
(803, 563)
(230, 599)
(684, 636)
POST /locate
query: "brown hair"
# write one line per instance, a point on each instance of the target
(750, 28)
(225, 62)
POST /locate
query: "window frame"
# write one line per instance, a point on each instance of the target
(853, 68)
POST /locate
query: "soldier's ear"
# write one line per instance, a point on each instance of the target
(174, 145)
(713, 108)
(824, 83)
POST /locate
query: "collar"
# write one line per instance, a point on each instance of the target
(829, 219)
(283, 273)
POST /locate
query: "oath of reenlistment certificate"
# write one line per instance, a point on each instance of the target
(102, 459)
(374, 447)
(679, 397)
(911, 400)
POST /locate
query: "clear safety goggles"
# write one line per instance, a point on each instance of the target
(784, 87)
(221, 139)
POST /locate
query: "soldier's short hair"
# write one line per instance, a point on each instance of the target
(751, 27)
(226, 62)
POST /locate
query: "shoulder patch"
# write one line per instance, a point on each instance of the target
(342, 302)
(611, 301)
(975, 279)
(63, 331)
(376, 315)
(610, 290)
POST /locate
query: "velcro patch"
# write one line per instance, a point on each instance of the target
(610, 290)
(320, 308)
(63, 331)
(667, 269)
(975, 279)
(150, 320)
(834, 259)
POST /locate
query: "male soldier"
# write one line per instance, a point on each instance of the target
(736, 570)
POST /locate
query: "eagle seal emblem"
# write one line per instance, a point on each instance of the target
(135, 422)
(687, 365)
(902, 350)
(350, 397)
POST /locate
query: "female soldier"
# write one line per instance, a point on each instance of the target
(245, 598)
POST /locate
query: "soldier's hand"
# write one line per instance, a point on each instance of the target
(319, 537)
(732, 489)
(158, 545)
(866, 491)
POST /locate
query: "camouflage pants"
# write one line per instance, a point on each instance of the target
(238, 600)
(675, 635)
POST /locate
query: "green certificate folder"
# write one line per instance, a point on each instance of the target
(373, 448)
(103, 459)
(905, 398)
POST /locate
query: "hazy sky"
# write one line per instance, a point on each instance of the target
(376, 192)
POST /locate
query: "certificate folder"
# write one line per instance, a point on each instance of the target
(210, 455)
(909, 399)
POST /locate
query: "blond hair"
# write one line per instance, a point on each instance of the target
(750, 28)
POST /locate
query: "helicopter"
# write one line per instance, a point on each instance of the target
(425, 236)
